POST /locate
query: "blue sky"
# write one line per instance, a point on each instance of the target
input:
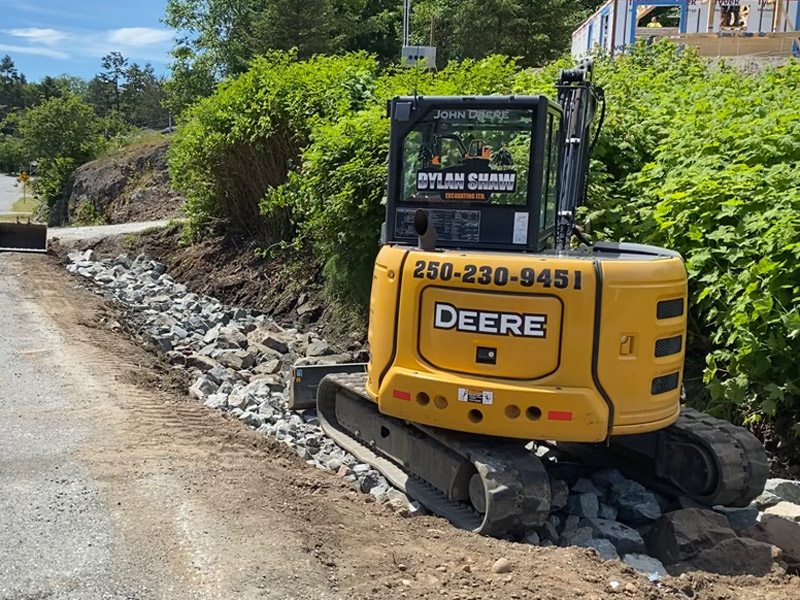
(50, 37)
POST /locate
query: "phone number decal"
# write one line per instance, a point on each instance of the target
(486, 275)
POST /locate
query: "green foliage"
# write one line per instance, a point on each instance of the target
(707, 162)
(61, 134)
(242, 142)
(13, 155)
(296, 152)
(219, 38)
(703, 160)
(534, 30)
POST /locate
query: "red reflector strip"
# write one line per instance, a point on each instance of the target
(400, 395)
(559, 415)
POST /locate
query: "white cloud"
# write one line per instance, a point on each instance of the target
(34, 50)
(139, 36)
(48, 37)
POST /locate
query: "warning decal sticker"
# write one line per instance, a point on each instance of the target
(475, 396)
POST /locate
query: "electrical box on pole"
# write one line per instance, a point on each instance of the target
(419, 56)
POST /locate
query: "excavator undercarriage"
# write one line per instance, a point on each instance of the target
(502, 489)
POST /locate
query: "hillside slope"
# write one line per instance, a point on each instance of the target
(131, 185)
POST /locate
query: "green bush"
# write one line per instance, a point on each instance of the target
(242, 142)
(707, 161)
(13, 155)
(61, 134)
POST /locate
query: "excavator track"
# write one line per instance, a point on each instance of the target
(490, 486)
(699, 456)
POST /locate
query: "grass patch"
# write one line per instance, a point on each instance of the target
(28, 204)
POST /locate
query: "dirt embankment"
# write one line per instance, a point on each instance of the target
(131, 185)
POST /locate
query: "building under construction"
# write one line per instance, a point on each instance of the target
(714, 27)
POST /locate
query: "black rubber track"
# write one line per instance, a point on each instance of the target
(516, 484)
(740, 462)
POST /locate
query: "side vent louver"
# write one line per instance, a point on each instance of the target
(663, 384)
(669, 346)
(668, 309)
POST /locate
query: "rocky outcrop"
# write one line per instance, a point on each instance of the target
(131, 185)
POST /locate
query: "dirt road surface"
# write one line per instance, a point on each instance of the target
(92, 233)
(113, 485)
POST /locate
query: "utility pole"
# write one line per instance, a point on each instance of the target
(406, 21)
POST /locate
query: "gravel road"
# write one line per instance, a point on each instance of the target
(97, 232)
(113, 485)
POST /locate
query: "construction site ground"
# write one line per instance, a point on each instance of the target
(114, 484)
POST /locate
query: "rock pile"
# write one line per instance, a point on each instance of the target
(240, 363)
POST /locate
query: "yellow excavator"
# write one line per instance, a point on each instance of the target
(495, 322)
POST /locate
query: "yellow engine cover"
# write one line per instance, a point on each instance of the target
(566, 347)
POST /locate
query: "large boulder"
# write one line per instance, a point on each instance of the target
(739, 518)
(625, 539)
(634, 503)
(785, 510)
(785, 489)
(131, 185)
(681, 535)
(583, 505)
(736, 556)
(782, 533)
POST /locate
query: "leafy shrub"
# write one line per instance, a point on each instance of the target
(243, 141)
(705, 160)
(61, 134)
(13, 155)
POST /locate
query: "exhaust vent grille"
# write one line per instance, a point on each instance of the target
(668, 309)
(663, 384)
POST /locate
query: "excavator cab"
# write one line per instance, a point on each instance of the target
(494, 322)
(484, 171)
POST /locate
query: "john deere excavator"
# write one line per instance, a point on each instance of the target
(495, 322)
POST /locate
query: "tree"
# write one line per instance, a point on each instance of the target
(535, 31)
(61, 134)
(129, 93)
(61, 127)
(142, 96)
(114, 65)
(12, 87)
(219, 38)
(308, 26)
